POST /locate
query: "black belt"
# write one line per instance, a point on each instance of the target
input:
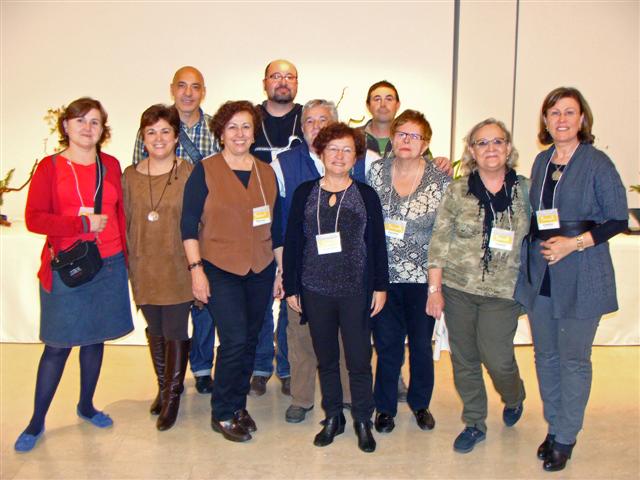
(567, 229)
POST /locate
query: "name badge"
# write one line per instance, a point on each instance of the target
(501, 239)
(328, 243)
(261, 216)
(85, 211)
(395, 228)
(548, 219)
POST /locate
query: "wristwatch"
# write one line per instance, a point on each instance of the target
(434, 289)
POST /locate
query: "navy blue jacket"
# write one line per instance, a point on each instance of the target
(297, 167)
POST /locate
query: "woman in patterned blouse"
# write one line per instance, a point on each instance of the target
(410, 189)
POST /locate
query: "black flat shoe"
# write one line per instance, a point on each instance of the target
(204, 384)
(545, 447)
(332, 426)
(424, 419)
(384, 423)
(557, 458)
(366, 442)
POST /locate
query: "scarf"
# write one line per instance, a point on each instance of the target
(502, 202)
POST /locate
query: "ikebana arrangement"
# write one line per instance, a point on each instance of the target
(52, 120)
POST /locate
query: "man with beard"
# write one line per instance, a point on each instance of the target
(281, 118)
(195, 142)
(281, 130)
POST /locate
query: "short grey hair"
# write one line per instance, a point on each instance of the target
(319, 102)
(469, 164)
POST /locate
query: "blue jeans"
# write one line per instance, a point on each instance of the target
(403, 315)
(265, 352)
(202, 341)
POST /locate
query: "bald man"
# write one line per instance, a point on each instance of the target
(280, 131)
(195, 143)
(281, 117)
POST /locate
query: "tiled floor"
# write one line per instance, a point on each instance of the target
(609, 447)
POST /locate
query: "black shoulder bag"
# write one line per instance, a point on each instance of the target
(80, 262)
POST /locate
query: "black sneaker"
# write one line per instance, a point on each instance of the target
(204, 384)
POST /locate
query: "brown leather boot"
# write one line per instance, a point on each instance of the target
(176, 356)
(156, 348)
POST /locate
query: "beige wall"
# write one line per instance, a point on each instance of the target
(591, 45)
(125, 54)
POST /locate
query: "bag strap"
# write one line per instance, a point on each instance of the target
(97, 204)
(525, 191)
(190, 147)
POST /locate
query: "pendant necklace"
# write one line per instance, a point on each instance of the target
(153, 215)
(557, 173)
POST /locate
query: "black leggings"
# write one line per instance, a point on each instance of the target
(168, 321)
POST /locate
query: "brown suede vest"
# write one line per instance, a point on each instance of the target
(228, 238)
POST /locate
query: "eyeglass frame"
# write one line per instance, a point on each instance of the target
(412, 136)
(287, 77)
(497, 142)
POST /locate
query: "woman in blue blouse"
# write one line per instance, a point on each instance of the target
(566, 279)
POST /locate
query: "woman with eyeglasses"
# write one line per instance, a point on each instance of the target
(335, 276)
(566, 280)
(473, 265)
(410, 189)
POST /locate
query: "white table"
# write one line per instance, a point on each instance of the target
(20, 305)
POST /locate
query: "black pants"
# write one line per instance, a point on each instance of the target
(349, 316)
(238, 303)
(168, 321)
(403, 315)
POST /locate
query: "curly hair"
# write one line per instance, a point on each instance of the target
(339, 130)
(227, 110)
(79, 108)
(584, 134)
(468, 163)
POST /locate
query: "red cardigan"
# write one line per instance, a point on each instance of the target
(43, 206)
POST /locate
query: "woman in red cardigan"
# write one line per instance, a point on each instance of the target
(60, 205)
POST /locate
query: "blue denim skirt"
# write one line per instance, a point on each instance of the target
(91, 313)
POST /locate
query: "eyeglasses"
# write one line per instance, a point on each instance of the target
(484, 143)
(333, 150)
(288, 77)
(413, 136)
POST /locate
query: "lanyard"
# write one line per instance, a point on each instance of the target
(264, 199)
(75, 177)
(546, 172)
(292, 137)
(407, 202)
(335, 228)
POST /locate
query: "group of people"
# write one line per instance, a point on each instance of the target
(363, 233)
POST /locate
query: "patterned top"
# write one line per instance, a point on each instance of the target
(335, 274)
(408, 257)
(199, 134)
(456, 246)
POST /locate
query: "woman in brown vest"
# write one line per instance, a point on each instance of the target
(232, 235)
(161, 285)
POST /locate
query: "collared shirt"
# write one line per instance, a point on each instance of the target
(280, 176)
(199, 134)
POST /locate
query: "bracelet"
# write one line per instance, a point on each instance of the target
(435, 289)
(193, 265)
(580, 242)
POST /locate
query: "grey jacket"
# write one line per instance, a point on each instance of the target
(583, 283)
